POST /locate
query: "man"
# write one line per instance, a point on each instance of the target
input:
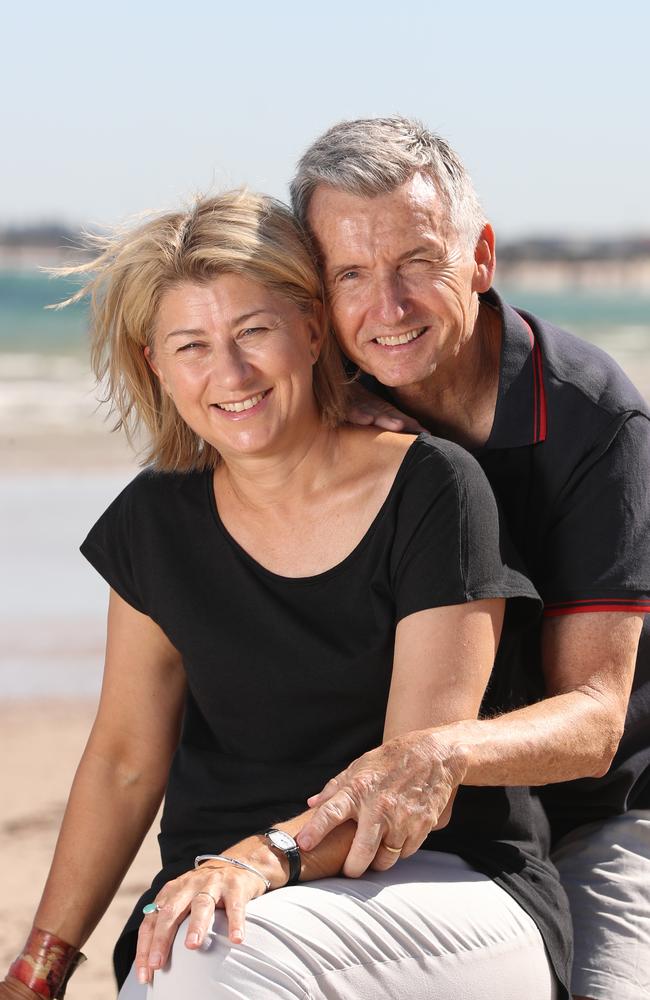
(408, 261)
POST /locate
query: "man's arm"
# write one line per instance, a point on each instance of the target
(430, 681)
(588, 663)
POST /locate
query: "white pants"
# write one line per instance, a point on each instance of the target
(605, 870)
(431, 927)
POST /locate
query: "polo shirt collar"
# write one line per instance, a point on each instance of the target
(520, 414)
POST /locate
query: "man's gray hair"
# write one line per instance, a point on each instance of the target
(375, 156)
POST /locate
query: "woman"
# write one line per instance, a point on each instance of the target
(284, 590)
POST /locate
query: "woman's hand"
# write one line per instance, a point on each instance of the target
(198, 893)
(13, 989)
(366, 409)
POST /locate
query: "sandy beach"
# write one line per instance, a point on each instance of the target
(42, 742)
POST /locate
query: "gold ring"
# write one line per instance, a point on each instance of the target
(205, 893)
(393, 850)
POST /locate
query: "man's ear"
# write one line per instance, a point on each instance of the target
(484, 260)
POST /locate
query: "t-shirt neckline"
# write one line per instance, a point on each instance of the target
(333, 570)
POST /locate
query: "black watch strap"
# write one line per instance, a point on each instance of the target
(285, 844)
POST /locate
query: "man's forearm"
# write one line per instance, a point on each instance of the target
(568, 736)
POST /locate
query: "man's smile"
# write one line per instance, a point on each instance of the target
(400, 338)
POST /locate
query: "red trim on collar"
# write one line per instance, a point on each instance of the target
(539, 391)
(588, 606)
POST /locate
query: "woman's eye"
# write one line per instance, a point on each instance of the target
(193, 345)
(348, 275)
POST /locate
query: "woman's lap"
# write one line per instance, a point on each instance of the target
(432, 919)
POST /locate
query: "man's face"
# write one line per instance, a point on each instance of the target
(402, 285)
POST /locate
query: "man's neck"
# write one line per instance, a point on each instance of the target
(458, 400)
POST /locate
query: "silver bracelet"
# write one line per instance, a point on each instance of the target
(231, 861)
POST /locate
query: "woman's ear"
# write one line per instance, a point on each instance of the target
(317, 330)
(149, 358)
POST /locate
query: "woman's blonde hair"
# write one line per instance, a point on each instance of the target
(233, 233)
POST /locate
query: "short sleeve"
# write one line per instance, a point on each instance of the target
(110, 547)
(452, 545)
(597, 549)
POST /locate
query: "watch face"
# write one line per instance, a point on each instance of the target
(283, 841)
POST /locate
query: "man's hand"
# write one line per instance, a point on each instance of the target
(366, 409)
(396, 794)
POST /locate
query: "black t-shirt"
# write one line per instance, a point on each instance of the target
(288, 678)
(568, 458)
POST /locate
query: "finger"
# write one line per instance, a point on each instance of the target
(201, 918)
(145, 934)
(364, 847)
(387, 855)
(326, 792)
(235, 903)
(389, 422)
(359, 415)
(168, 918)
(327, 817)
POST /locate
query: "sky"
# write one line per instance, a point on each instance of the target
(112, 109)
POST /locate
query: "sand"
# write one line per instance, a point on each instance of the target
(42, 742)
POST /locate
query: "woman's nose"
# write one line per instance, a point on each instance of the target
(230, 367)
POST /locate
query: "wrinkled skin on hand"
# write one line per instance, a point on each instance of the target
(13, 989)
(396, 793)
(366, 409)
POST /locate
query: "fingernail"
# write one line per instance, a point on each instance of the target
(192, 938)
(237, 936)
(155, 960)
(143, 977)
(304, 842)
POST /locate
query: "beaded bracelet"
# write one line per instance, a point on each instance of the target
(46, 963)
(231, 861)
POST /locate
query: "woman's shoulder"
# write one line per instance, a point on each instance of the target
(418, 462)
(151, 497)
(150, 483)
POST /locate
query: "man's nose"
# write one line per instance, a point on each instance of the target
(389, 304)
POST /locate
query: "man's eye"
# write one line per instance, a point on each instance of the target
(251, 330)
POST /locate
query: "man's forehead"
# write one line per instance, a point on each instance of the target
(412, 211)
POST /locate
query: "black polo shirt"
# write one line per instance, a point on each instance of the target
(568, 458)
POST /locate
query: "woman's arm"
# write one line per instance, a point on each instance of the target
(442, 662)
(120, 780)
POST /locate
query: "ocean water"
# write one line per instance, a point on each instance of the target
(52, 604)
(45, 381)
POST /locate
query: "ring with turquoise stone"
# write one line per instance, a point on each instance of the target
(151, 908)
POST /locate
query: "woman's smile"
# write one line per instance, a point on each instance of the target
(242, 408)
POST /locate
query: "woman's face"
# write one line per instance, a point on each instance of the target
(237, 360)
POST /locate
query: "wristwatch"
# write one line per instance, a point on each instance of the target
(284, 842)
